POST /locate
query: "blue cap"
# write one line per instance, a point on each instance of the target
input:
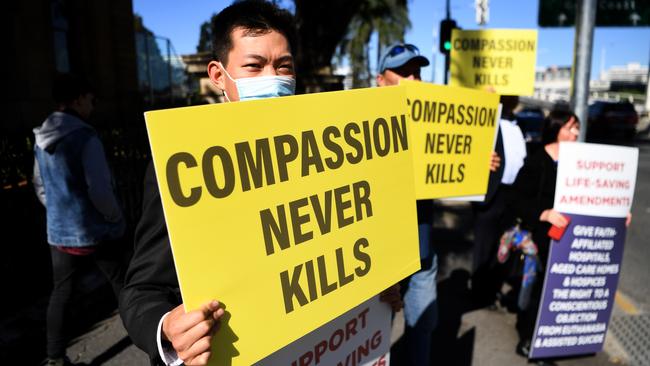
(398, 54)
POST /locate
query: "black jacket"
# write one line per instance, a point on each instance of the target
(151, 286)
(532, 193)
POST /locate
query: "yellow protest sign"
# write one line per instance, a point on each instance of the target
(452, 137)
(499, 59)
(291, 211)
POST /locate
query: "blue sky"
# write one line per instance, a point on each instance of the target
(180, 20)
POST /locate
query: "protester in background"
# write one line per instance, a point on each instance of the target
(73, 182)
(253, 41)
(532, 202)
(403, 61)
(491, 217)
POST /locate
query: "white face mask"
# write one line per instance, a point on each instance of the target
(260, 87)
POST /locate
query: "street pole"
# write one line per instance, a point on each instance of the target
(647, 90)
(582, 49)
(448, 55)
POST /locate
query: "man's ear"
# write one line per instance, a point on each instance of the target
(216, 75)
(380, 80)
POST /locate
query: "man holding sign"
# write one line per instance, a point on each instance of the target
(321, 244)
(253, 43)
(403, 61)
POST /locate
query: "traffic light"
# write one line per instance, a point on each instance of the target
(446, 26)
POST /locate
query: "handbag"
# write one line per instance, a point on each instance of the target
(517, 245)
(525, 263)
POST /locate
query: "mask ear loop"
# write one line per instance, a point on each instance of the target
(229, 77)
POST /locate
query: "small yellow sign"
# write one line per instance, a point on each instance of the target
(290, 211)
(452, 135)
(501, 60)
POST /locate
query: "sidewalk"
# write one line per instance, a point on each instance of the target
(485, 338)
(464, 337)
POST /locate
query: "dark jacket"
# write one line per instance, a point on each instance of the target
(533, 192)
(151, 287)
(72, 180)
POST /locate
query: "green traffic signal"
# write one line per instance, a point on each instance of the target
(446, 27)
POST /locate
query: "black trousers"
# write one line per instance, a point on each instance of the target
(527, 318)
(490, 221)
(108, 257)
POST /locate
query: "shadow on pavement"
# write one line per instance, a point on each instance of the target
(448, 347)
(115, 349)
(22, 330)
(452, 240)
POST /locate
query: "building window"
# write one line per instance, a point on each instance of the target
(60, 32)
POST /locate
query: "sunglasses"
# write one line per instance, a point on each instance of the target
(399, 49)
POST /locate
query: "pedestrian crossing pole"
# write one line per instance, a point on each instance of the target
(581, 71)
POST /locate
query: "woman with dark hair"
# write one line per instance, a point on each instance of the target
(532, 202)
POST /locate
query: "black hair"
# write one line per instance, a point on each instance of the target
(510, 103)
(256, 17)
(554, 122)
(68, 87)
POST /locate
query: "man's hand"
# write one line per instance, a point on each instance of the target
(392, 297)
(495, 161)
(553, 217)
(190, 333)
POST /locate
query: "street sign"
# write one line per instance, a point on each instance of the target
(610, 13)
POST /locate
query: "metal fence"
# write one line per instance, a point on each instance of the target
(162, 75)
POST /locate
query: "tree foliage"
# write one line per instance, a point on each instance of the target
(338, 28)
(205, 37)
(388, 19)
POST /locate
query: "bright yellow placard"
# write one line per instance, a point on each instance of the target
(452, 135)
(502, 60)
(290, 211)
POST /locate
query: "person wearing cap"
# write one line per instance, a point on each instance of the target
(403, 61)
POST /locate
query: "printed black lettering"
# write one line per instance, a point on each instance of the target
(429, 111)
(285, 156)
(310, 153)
(332, 146)
(400, 137)
(297, 220)
(362, 199)
(362, 256)
(341, 206)
(291, 289)
(381, 123)
(261, 163)
(340, 265)
(271, 229)
(323, 217)
(366, 139)
(353, 142)
(416, 110)
(209, 174)
(173, 180)
(325, 287)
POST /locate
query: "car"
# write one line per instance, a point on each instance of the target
(531, 122)
(609, 119)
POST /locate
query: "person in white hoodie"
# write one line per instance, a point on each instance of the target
(72, 180)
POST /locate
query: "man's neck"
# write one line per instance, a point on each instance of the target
(73, 112)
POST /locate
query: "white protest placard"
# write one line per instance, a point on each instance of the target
(360, 337)
(595, 179)
(594, 191)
